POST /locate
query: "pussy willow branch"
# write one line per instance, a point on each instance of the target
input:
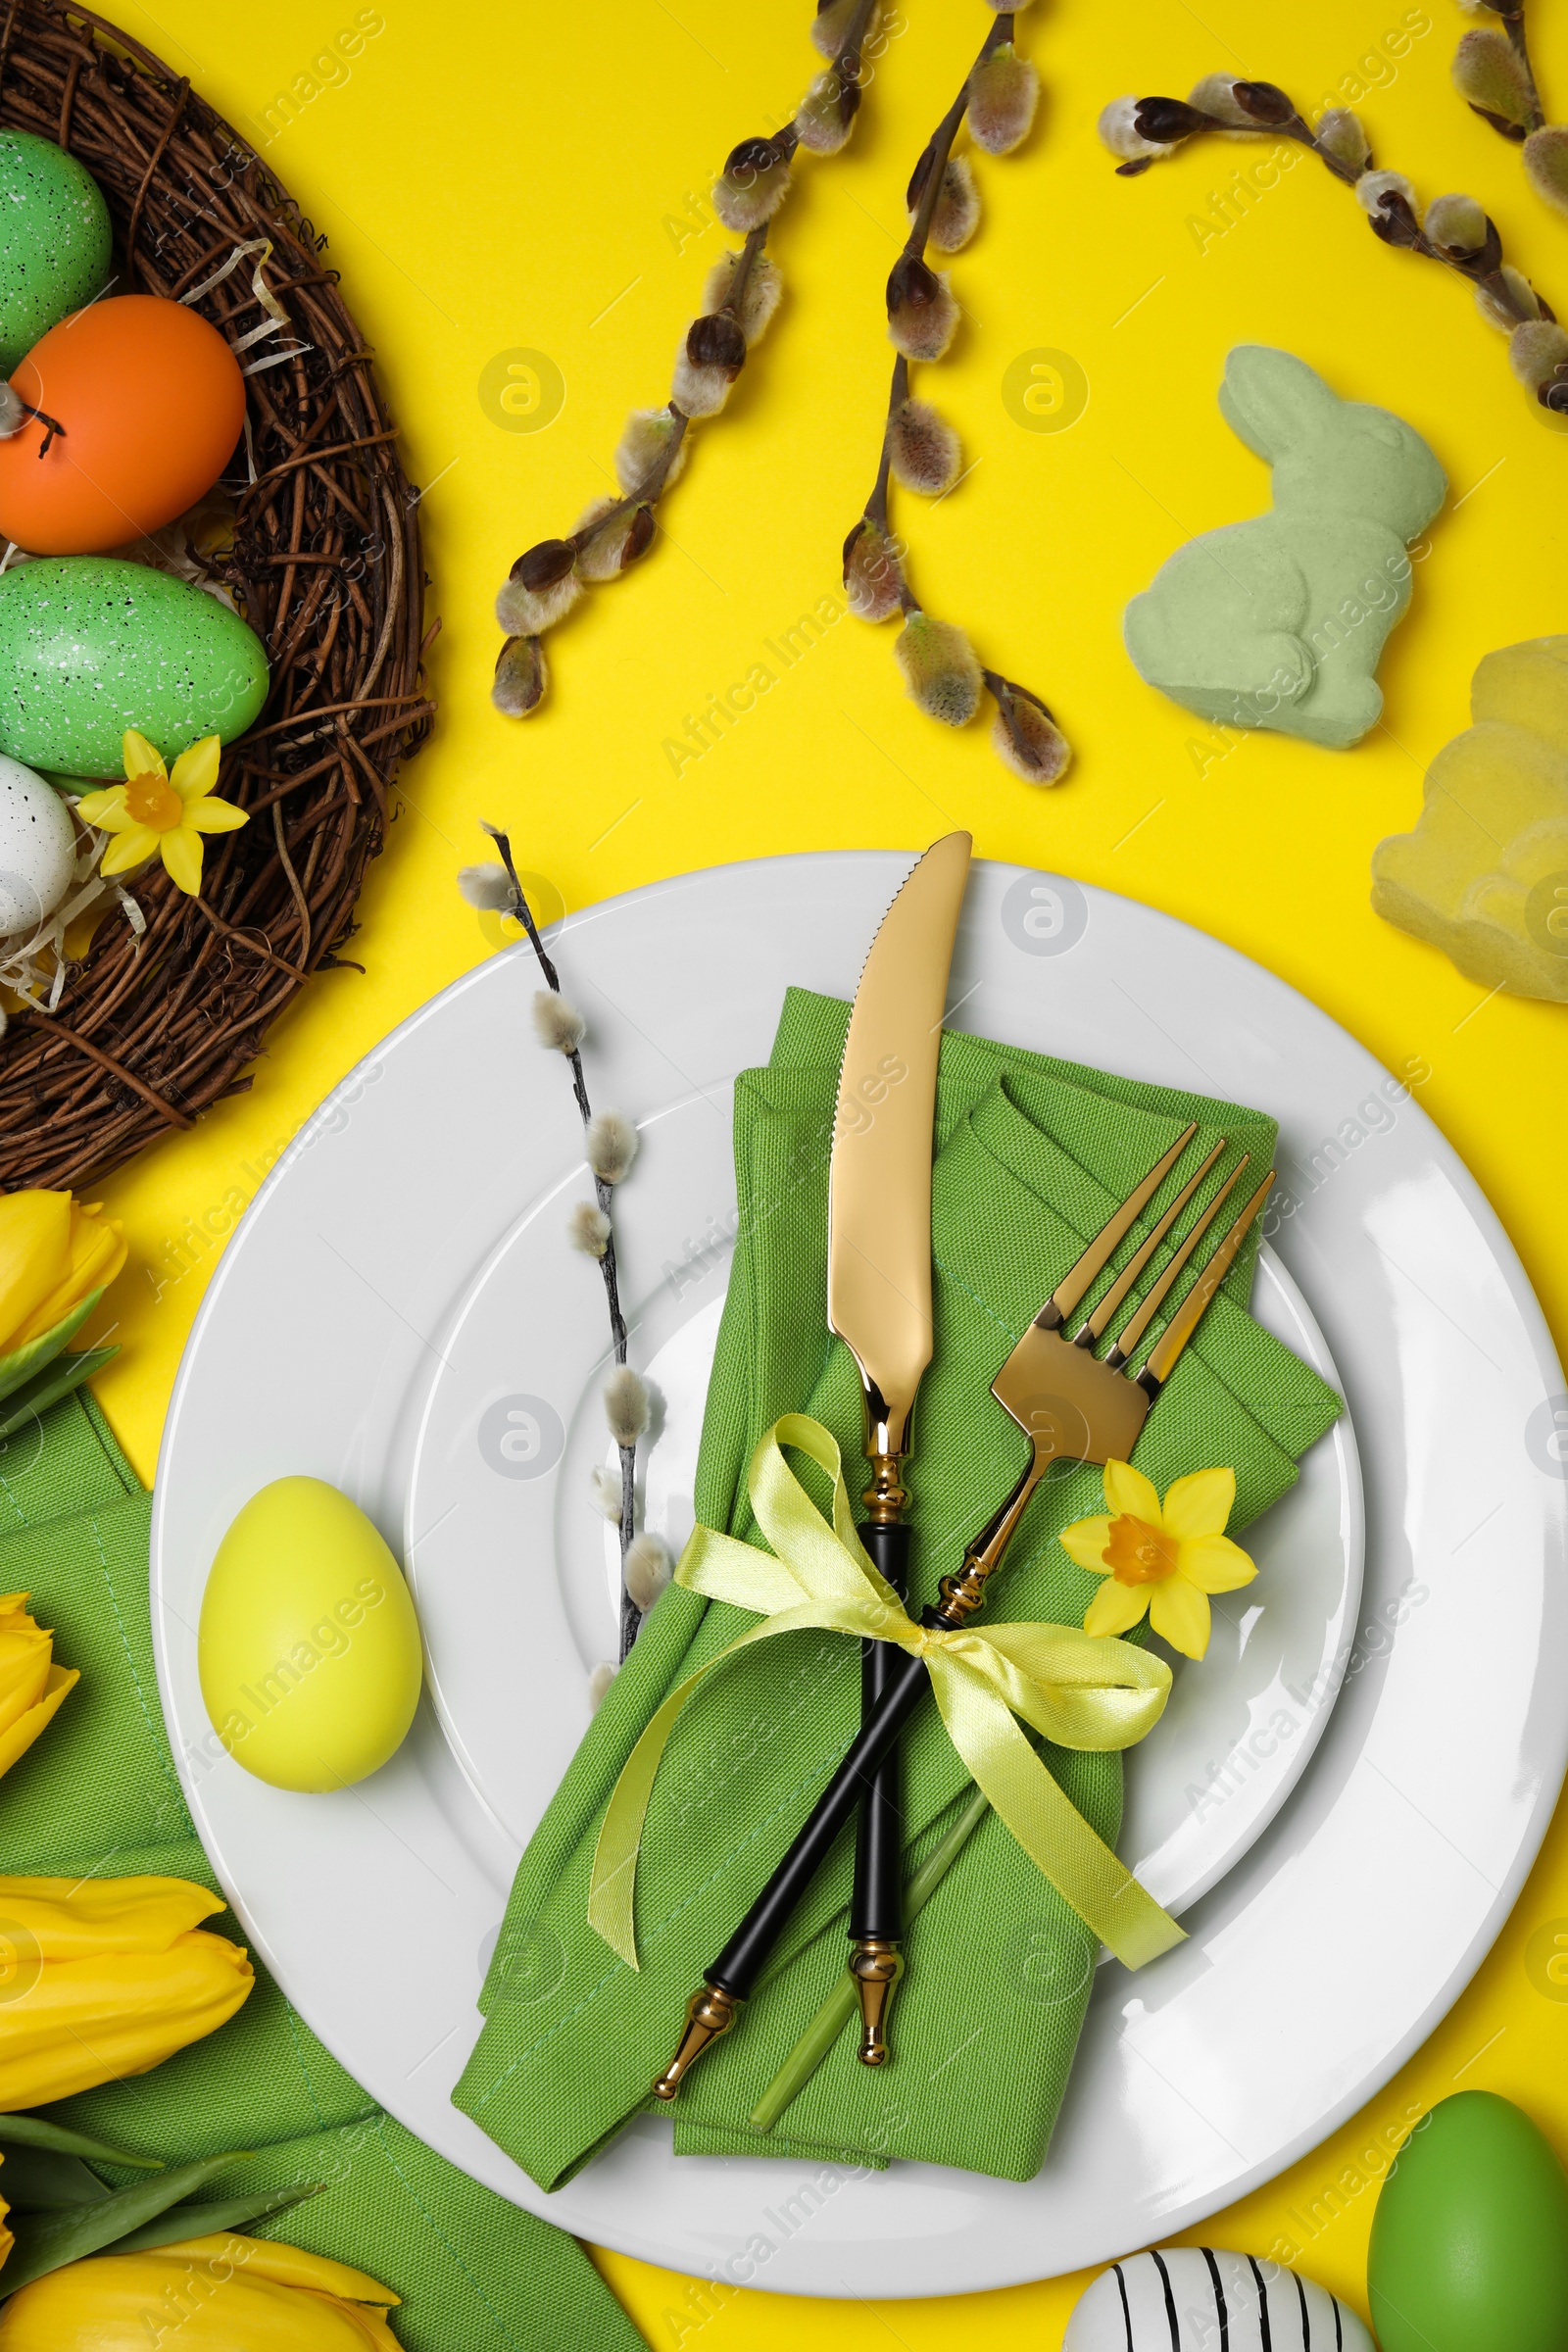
(1494, 76)
(1142, 130)
(631, 1615)
(934, 158)
(651, 488)
(943, 676)
(1512, 13)
(876, 506)
(520, 676)
(1514, 23)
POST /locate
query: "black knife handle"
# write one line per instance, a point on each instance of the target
(739, 1965)
(876, 1905)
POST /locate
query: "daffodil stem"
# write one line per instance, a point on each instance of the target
(631, 1615)
(843, 2002)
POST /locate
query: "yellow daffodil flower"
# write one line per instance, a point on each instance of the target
(1166, 1558)
(54, 1252)
(154, 813)
(31, 1685)
(101, 1978)
(208, 2294)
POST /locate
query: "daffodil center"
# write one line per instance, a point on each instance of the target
(153, 801)
(1137, 1554)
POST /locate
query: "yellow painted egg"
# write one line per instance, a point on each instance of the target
(309, 1647)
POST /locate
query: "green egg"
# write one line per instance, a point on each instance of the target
(308, 1645)
(1470, 2238)
(90, 646)
(54, 240)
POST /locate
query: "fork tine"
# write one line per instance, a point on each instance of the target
(1185, 1321)
(1094, 1330)
(1081, 1278)
(1150, 1306)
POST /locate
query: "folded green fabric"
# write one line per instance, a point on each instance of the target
(1032, 1154)
(98, 1795)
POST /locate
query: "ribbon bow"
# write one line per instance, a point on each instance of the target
(1080, 1689)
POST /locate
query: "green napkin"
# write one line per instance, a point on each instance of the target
(98, 1795)
(1032, 1154)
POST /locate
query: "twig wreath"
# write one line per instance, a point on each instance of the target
(153, 1025)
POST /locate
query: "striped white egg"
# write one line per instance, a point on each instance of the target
(37, 847)
(1202, 2299)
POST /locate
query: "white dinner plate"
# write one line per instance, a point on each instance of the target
(399, 1313)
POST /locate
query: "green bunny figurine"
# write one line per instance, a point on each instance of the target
(1279, 622)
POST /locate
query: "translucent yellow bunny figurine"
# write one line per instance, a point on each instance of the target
(1485, 875)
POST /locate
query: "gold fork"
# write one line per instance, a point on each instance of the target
(1073, 1407)
(1076, 1407)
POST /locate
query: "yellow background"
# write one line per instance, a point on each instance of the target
(495, 178)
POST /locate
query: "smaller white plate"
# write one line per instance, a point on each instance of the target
(500, 1476)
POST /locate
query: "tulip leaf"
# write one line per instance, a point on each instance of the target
(55, 1380)
(23, 1362)
(47, 2242)
(36, 2131)
(182, 2222)
(42, 2180)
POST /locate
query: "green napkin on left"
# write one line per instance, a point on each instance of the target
(1032, 1155)
(98, 1795)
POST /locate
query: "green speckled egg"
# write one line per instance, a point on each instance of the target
(54, 240)
(90, 646)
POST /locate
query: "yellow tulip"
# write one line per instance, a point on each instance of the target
(53, 1252)
(101, 1978)
(210, 2294)
(1163, 1558)
(156, 815)
(31, 1685)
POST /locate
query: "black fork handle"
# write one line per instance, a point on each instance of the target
(744, 1957)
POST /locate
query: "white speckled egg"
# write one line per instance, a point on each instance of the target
(1201, 2298)
(37, 847)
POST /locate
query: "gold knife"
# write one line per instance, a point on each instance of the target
(879, 1303)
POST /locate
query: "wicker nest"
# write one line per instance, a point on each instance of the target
(325, 567)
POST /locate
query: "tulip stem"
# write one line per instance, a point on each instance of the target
(630, 1614)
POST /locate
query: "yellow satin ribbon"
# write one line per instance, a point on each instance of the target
(1080, 1689)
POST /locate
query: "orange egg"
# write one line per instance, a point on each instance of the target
(150, 402)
